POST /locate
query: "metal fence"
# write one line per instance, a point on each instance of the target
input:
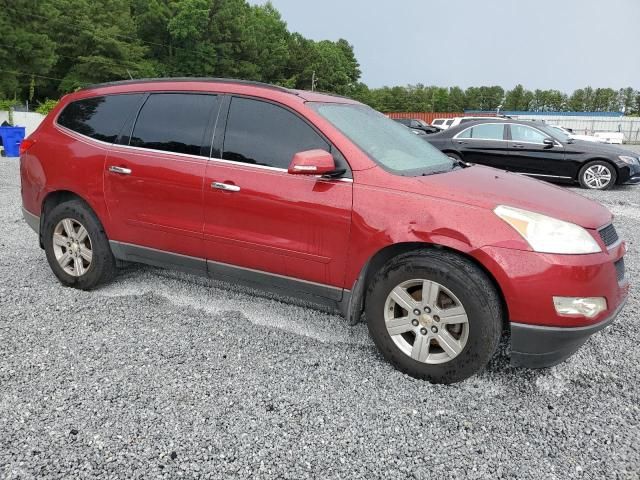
(425, 116)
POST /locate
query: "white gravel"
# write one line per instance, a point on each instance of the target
(164, 375)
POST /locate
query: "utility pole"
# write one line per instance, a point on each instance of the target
(313, 81)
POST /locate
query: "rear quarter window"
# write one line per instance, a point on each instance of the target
(100, 118)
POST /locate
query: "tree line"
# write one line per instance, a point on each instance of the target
(421, 98)
(52, 47)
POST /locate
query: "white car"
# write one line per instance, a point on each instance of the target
(610, 137)
(570, 134)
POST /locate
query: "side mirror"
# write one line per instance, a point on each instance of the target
(312, 162)
(548, 143)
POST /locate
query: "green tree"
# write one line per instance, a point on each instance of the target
(518, 99)
(26, 51)
(456, 99)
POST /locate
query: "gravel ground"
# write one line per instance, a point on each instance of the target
(164, 375)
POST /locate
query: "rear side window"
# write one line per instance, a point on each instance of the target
(438, 122)
(175, 122)
(484, 131)
(100, 118)
(261, 133)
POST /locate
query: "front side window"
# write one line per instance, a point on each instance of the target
(390, 145)
(484, 131)
(522, 133)
(261, 133)
(438, 122)
(174, 122)
(100, 118)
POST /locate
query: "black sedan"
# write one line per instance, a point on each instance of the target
(419, 125)
(532, 148)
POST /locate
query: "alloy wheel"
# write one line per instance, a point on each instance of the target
(597, 176)
(72, 247)
(426, 321)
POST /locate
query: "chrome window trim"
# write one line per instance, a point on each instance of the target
(456, 136)
(185, 155)
(274, 169)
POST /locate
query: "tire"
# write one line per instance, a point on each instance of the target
(461, 284)
(81, 270)
(597, 175)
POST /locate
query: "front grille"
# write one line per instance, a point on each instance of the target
(609, 235)
(620, 269)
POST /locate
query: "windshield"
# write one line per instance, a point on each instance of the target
(392, 146)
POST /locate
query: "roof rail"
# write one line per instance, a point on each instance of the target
(189, 79)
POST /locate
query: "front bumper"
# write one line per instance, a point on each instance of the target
(536, 346)
(633, 176)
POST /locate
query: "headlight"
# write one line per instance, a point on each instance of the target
(548, 235)
(629, 160)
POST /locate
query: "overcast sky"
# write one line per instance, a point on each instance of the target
(562, 44)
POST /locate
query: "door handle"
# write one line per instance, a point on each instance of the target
(120, 170)
(225, 186)
(517, 145)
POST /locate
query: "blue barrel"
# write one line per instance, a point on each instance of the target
(11, 138)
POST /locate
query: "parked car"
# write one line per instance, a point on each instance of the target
(610, 137)
(569, 133)
(324, 199)
(537, 150)
(419, 125)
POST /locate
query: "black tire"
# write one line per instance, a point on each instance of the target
(468, 283)
(584, 182)
(102, 267)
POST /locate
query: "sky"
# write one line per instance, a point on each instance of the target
(559, 44)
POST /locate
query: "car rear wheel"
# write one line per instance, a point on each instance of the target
(76, 246)
(434, 315)
(597, 175)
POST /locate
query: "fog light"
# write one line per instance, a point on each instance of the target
(589, 307)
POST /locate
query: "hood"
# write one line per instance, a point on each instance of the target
(598, 148)
(488, 187)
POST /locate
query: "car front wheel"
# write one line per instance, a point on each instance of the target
(597, 175)
(434, 315)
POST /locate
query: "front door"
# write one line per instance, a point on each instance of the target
(531, 156)
(275, 226)
(153, 185)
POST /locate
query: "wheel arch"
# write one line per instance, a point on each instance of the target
(382, 256)
(55, 198)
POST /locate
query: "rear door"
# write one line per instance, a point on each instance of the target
(153, 180)
(264, 220)
(484, 143)
(529, 155)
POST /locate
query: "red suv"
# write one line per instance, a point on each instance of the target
(322, 198)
